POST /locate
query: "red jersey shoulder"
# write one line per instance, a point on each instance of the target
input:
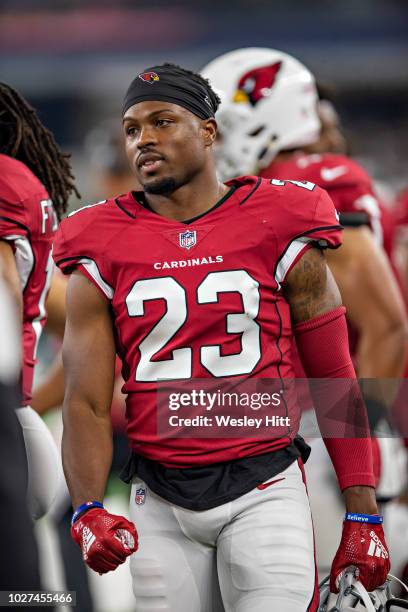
(294, 209)
(327, 170)
(85, 230)
(280, 201)
(258, 193)
(25, 206)
(17, 181)
(84, 238)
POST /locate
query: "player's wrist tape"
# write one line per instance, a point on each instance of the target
(83, 508)
(372, 519)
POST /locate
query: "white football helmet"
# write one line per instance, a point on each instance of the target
(268, 104)
(353, 596)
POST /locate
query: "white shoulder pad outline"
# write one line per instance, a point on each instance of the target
(74, 212)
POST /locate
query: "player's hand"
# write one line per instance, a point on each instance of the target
(364, 546)
(106, 540)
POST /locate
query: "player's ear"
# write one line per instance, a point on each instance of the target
(209, 131)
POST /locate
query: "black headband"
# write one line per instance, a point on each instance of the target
(170, 83)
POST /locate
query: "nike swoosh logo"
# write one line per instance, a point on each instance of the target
(329, 174)
(265, 485)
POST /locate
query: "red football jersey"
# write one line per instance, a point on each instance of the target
(28, 222)
(198, 299)
(348, 185)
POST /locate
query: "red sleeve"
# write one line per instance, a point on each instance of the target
(12, 219)
(77, 247)
(352, 457)
(308, 218)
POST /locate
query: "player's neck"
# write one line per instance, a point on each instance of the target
(191, 200)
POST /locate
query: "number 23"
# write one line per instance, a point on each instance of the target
(179, 366)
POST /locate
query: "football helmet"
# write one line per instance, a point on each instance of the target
(268, 104)
(352, 596)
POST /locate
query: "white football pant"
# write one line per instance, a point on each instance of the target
(44, 462)
(254, 554)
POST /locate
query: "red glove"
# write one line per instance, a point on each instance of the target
(362, 545)
(106, 539)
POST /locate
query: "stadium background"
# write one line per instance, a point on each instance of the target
(73, 59)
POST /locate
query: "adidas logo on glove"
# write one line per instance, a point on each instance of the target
(88, 539)
(376, 548)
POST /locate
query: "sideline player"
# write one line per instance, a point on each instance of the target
(35, 183)
(275, 99)
(271, 122)
(196, 502)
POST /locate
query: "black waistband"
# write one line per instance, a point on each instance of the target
(205, 487)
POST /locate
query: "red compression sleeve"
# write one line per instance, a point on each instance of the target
(323, 348)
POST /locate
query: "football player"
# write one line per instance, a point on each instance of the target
(193, 278)
(269, 121)
(35, 183)
(272, 123)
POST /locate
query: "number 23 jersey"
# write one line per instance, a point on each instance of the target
(198, 299)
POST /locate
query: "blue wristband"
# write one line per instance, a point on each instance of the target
(83, 508)
(373, 519)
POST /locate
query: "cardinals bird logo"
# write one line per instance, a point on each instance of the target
(149, 77)
(257, 84)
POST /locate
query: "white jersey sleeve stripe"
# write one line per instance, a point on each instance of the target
(93, 270)
(287, 260)
(24, 257)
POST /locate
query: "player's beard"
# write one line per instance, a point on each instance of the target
(161, 186)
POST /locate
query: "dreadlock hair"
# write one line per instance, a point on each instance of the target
(24, 137)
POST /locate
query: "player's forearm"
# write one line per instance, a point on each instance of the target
(86, 452)
(351, 455)
(360, 499)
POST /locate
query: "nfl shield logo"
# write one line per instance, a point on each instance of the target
(140, 496)
(188, 239)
